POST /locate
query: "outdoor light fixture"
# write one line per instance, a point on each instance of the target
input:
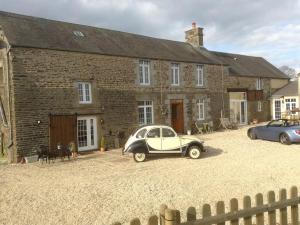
(38, 122)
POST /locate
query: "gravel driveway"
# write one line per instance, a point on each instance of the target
(107, 187)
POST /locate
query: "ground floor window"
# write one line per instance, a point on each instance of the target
(259, 106)
(145, 109)
(290, 104)
(201, 109)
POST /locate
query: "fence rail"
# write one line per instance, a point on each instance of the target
(246, 213)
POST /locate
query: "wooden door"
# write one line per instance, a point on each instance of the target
(63, 129)
(177, 115)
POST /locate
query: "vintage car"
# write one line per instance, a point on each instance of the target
(160, 139)
(277, 130)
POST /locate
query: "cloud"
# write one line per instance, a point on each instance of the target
(268, 28)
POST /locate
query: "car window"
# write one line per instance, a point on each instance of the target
(277, 123)
(154, 133)
(141, 133)
(167, 133)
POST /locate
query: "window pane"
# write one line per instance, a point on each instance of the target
(167, 133)
(82, 133)
(87, 92)
(80, 89)
(148, 115)
(141, 116)
(154, 133)
(141, 134)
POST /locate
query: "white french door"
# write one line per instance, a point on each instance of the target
(87, 133)
(238, 111)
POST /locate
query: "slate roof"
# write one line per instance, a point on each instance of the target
(27, 31)
(243, 65)
(36, 32)
(291, 89)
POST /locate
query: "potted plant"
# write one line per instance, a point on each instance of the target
(102, 144)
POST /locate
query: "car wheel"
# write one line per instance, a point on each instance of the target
(139, 157)
(252, 135)
(284, 139)
(194, 152)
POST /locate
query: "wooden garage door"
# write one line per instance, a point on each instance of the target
(63, 129)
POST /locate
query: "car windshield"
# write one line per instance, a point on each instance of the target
(282, 123)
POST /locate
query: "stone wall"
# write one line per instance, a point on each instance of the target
(45, 82)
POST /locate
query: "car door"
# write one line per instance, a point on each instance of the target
(153, 140)
(170, 142)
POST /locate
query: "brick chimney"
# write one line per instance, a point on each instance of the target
(194, 36)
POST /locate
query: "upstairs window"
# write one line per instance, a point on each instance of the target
(259, 84)
(200, 78)
(85, 93)
(201, 109)
(175, 74)
(144, 72)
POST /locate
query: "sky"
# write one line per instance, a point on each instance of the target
(267, 28)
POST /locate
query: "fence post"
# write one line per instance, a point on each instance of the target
(206, 211)
(220, 210)
(294, 208)
(247, 205)
(135, 221)
(271, 214)
(153, 220)
(170, 217)
(283, 211)
(162, 210)
(191, 214)
(234, 207)
(259, 216)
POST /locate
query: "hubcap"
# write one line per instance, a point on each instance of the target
(195, 153)
(140, 156)
(283, 139)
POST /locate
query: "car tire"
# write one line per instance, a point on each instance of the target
(284, 139)
(194, 152)
(139, 157)
(252, 135)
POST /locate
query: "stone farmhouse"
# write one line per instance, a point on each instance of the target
(62, 82)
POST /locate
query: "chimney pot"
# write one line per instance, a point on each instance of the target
(194, 25)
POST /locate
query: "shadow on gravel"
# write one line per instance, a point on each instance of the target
(210, 152)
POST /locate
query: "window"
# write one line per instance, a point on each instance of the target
(290, 104)
(200, 105)
(259, 106)
(167, 133)
(154, 133)
(144, 72)
(78, 33)
(259, 84)
(175, 74)
(145, 109)
(141, 133)
(84, 90)
(200, 81)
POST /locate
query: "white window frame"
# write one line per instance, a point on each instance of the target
(85, 95)
(144, 106)
(144, 67)
(201, 109)
(175, 73)
(200, 75)
(290, 103)
(259, 84)
(259, 106)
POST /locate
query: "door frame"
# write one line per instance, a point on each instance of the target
(88, 147)
(240, 110)
(177, 101)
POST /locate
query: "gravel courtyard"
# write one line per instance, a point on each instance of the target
(103, 188)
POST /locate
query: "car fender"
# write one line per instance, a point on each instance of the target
(197, 143)
(138, 146)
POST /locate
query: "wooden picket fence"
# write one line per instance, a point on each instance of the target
(236, 215)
